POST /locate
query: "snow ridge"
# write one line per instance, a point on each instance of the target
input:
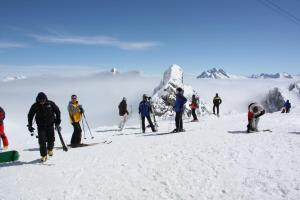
(270, 76)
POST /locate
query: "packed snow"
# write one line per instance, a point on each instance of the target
(214, 159)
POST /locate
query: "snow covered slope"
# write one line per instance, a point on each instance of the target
(214, 159)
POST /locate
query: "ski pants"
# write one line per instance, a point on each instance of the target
(149, 121)
(46, 139)
(216, 106)
(194, 114)
(123, 121)
(76, 137)
(178, 121)
(3, 136)
(253, 123)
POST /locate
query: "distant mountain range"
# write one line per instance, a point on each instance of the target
(215, 73)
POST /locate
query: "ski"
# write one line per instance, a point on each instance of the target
(65, 148)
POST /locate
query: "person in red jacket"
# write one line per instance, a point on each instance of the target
(194, 105)
(2, 134)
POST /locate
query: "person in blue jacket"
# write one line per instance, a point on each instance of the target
(144, 111)
(286, 107)
(179, 108)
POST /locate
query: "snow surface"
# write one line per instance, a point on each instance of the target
(213, 159)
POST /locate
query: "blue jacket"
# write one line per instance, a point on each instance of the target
(145, 108)
(179, 102)
(287, 105)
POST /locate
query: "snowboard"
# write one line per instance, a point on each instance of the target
(9, 156)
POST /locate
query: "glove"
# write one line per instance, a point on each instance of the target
(30, 129)
(57, 122)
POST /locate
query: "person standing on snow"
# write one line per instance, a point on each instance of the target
(75, 112)
(194, 105)
(145, 110)
(255, 111)
(286, 107)
(123, 112)
(216, 101)
(179, 108)
(47, 115)
(2, 134)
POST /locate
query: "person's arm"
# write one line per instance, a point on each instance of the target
(57, 113)
(31, 113)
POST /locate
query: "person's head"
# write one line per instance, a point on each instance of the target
(41, 98)
(288, 101)
(74, 98)
(124, 99)
(145, 97)
(255, 109)
(217, 94)
(149, 98)
(179, 90)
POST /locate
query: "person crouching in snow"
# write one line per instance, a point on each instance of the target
(123, 112)
(286, 107)
(194, 105)
(2, 134)
(254, 112)
(75, 113)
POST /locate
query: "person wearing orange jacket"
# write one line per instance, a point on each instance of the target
(2, 134)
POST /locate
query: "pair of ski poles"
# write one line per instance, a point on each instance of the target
(85, 120)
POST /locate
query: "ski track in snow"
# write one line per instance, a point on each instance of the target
(213, 159)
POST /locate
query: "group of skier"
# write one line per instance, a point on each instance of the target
(48, 118)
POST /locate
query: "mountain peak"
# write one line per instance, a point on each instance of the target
(214, 73)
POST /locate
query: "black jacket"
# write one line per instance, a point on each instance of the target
(123, 108)
(45, 115)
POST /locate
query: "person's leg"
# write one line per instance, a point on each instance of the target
(143, 124)
(42, 141)
(218, 109)
(180, 122)
(194, 114)
(76, 137)
(123, 121)
(177, 120)
(3, 136)
(256, 124)
(214, 109)
(150, 123)
(50, 138)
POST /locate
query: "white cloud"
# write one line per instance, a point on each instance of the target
(95, 40)
(9, 45)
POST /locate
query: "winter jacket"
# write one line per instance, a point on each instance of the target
(123, 108)
(194, 104)
(179, 103)
(45, 114)
(217, 100)
(145, 108)
(2, 115)
(287, 105)
(75, 112)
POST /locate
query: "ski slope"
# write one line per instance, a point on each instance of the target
(213, 159)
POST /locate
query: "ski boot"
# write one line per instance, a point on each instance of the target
(43, 158)
(50, 152)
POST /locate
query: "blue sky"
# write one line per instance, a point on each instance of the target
(241, 36)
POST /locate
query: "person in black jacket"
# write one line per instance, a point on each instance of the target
(47, 115)
(123, 112)
(144, 111)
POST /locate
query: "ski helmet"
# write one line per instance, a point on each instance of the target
(41, 97)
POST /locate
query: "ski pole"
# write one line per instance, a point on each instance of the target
(82, 122)
(88, 126)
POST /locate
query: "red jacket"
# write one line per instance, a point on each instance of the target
(2, 115)
(250, 115)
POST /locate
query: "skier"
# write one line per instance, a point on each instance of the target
(47, 115)
(123, 112)
(216, 101)
(194, 105)
(2, 134)
(144, 111)
(286, 107)
(75, 113)
(179, 108)
(254, 112)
